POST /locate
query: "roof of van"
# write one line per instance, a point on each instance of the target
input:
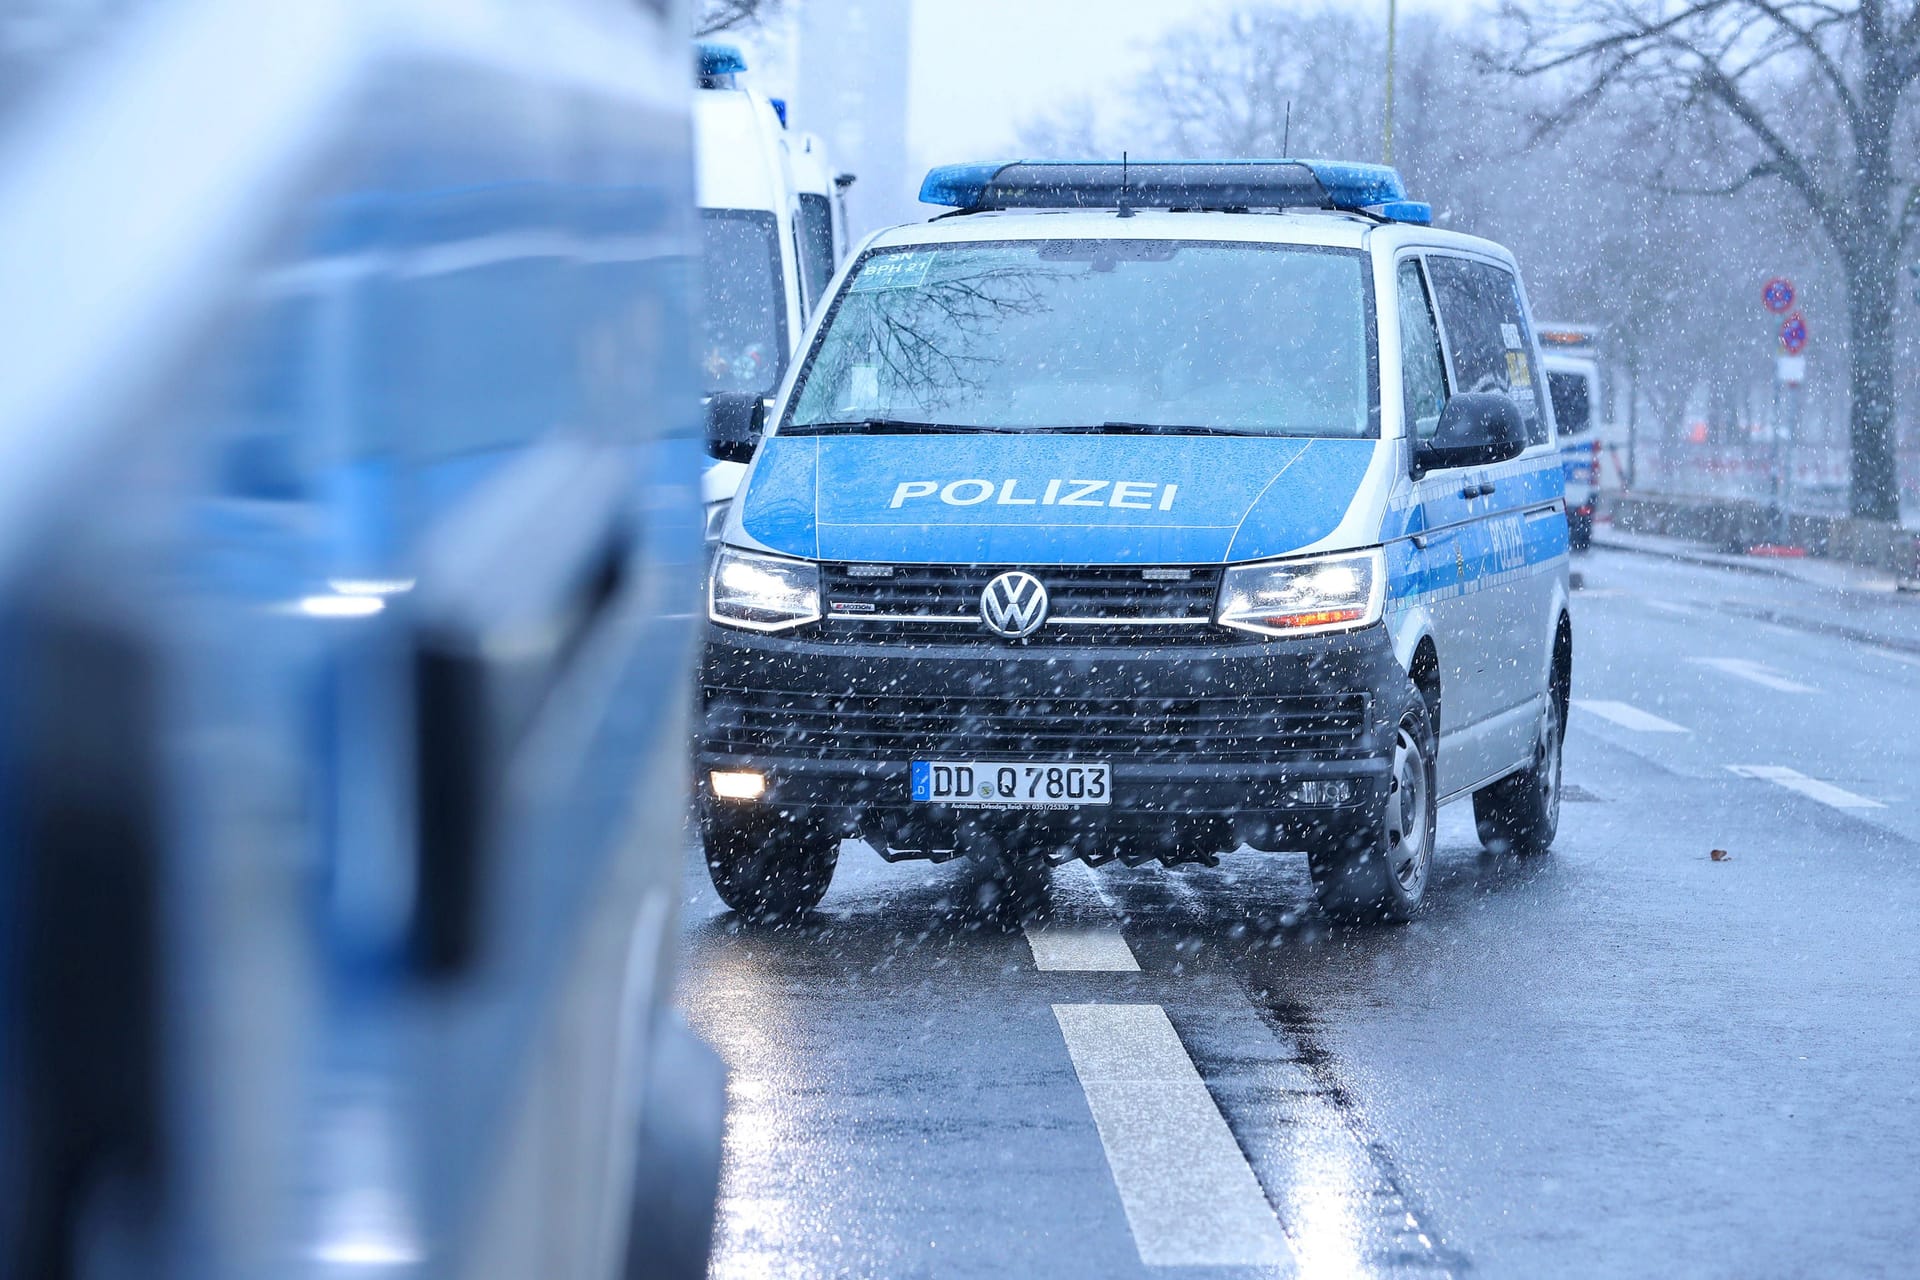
(739, 157)
(1308, 227)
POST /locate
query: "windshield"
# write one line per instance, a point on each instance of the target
(1063, 334)
(744, 342)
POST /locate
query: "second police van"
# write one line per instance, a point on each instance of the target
(771, 240)
(1146, 512)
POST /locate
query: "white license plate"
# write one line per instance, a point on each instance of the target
(997, 784)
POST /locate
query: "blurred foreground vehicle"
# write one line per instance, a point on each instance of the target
(351, 453)
(1146, 512)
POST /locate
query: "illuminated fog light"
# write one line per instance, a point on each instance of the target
(341, 606)
(743, 785)
(1337, 791)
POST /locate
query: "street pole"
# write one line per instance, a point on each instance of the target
(1773, 430)
(1393, 23)
(1629, 480)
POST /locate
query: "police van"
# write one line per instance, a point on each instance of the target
(1574, 385)
(769, 245)
(343, 581)
(1145, 511)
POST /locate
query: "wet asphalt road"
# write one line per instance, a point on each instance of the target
(1623, 1059)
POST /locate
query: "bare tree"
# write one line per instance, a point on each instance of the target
(1811, 94)
(714, 16)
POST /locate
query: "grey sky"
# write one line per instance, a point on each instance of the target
(982, 67)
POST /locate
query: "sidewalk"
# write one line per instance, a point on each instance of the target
(1833, 575)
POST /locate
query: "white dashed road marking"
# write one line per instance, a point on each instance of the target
(1067, 950)
(1812, 788)
(1757, 673)
(1191, 1197)
(1628, 716)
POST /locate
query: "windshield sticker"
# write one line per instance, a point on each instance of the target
(863, 386)
(892, 271)
(1518, 374)
(1510, 334)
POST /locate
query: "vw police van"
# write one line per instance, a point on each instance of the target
(1145, 512)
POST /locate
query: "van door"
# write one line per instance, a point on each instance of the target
(1446, 549)
(1508, 553)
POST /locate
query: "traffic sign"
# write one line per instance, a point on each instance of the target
(1793, 334)
(1778, 295)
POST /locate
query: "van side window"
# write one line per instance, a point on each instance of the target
(1488, 336)
(1423, 374)
(816, 244)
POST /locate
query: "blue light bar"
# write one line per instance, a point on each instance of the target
(717, 59)
(1174, 184)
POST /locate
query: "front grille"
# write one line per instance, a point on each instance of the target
(908, 726)
(942, 602)
(954, 591)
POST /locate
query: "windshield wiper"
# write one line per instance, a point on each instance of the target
(891, 426)
(1175, 429)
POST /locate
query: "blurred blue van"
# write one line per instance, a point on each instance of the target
(351, 444)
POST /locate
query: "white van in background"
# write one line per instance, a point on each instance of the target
(772, 237)
(1570, 357)
(823, 220)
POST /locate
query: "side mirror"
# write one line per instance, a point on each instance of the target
(734, 422)
(1476, 429)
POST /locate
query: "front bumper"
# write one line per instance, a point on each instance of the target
(1206, 744)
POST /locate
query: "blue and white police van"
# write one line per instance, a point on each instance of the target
(1145, 511)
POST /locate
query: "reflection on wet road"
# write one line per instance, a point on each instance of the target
(1628, 1057)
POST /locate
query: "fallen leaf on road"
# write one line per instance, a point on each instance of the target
(1720, 855)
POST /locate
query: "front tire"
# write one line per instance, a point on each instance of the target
(1378, 870)
(769, 867)
(1520, 814)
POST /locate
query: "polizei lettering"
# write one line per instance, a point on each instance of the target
(1132, 495)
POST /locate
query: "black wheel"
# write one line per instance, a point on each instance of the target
(768, 866)
(1520, 813)
(1378, 868)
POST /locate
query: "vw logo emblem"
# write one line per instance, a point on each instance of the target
(1014, 605)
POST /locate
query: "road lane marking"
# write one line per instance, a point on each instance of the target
(1812, 788)
(1756, 672)
(1628, 716)
(1190, 1196)
(1668, 606)
(1057, 948)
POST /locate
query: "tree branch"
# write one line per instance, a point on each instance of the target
(1808, 38)
(1765, 169)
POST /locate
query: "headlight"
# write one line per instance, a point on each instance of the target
(1301, 597)
(717, 518)
(762, 593)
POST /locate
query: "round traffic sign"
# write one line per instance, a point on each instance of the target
(1793, 334)
(1777, 294)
